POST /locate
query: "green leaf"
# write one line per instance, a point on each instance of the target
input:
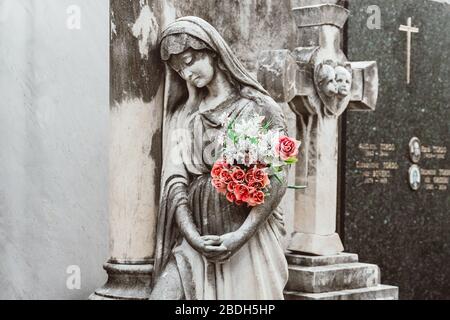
(278, 178)
(266, 126)
(277, 168)
(291, 160)
(231, 124)
(297, 187)
(253, 140)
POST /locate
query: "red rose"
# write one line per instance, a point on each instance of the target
(241, 192)
(256, 198)
(256, 185)
(217, 168)
(225, 176)
(219, 185)
(287, 147)
(230, 186)
(261, 165)
(231, 197)
(238, 175)
(259, 175)
(249, 175)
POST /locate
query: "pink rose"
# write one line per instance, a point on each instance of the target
(249, 175)
(238, 175)
(220, 186)
(217, 168)
(256, 185)
(259, 175)
(261, 165)
(287, 147)
(225, 176)
(230, 186)
(231, 197)
(241, 192)
(256, 198)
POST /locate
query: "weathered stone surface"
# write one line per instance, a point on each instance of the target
(314, 261)
(316, 243)
(249, 27)
(379, 292)
(365, 86)
(125, 282)
(332, 277)
(331, 14)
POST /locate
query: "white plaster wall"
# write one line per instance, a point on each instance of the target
(54, 119)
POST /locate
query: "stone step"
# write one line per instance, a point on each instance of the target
(313, 261)
(330, 278)
(379, 292)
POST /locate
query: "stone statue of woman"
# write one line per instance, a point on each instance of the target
(207, 247)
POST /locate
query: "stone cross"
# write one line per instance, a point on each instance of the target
(319, 84)
(408, 29)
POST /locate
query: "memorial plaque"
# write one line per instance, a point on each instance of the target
(382, 218)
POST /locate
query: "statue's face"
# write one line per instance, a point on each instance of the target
(343, 80)
(327, 82)
(195, 67)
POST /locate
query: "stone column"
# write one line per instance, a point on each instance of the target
(136, 110)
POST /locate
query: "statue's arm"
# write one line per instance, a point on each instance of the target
(184, 218)
(210, 245)
(259, 214)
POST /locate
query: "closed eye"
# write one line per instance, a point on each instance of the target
(187, 59)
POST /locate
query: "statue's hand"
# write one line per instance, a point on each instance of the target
(196, 242)
(210, 246)
(213, 247)
(232, 242)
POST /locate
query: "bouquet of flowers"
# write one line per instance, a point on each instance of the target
(250, 154)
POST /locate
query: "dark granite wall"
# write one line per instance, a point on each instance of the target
(406, 233)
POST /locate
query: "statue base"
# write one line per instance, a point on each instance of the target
(316, 244)
(125, 282)
(335, 277)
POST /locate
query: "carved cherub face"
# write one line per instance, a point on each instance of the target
(327, 80)
(343, 80)
(195, 67)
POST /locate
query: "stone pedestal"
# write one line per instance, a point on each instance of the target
(125, 282)
(335, 277)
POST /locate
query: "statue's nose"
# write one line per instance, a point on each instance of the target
(188, 74)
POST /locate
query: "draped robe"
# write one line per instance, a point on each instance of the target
(258, 270)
